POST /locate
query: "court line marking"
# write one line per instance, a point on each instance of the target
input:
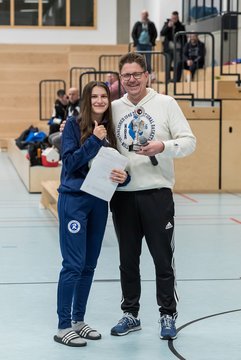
(170, 342)
(235, 220)
(187, 197)
(115, 280)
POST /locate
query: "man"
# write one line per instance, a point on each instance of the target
(144, 35)
(59, 111)
(74, 102)
(151, 130)
(193, 57)
(72, 110)
(170, 28)
(116, 89)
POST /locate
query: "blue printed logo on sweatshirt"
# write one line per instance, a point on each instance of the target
(133, 125)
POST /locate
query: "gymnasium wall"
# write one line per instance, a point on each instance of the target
(106, 30)
(105, 33)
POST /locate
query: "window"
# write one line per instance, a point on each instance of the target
(48, 13)
(81, 13)
(5, 12)
(54, 13)
(26, 12)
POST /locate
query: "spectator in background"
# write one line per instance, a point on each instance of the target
(144, 35)
(74, 102)
(72, 110)
(193, 57)
(170, 28)
(116, 89)
(59, 111)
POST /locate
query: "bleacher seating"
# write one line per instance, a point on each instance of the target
(31, 176)
(27, 65)
(49, 197)
(22, 67)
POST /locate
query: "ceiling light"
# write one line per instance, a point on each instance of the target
(29, 10)
(35, 1)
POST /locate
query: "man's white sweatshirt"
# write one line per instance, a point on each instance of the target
(156, 117)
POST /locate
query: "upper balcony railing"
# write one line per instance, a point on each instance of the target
(198, 10)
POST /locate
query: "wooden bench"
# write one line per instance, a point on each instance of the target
(31, 176)
(49, 197)
(3, 144)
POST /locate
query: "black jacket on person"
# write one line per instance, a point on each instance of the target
(194, 52)
(60, 112)
(74, 108)
(137, 29)
(169, 32)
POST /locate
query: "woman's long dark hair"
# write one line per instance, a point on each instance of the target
(85, 120)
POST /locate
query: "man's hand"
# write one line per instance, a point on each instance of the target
(189, 62)
(56, 121)
(152, 148)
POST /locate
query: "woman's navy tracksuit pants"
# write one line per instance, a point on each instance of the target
(82, 219)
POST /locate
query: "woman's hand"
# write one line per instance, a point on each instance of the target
(99, 131)
(118, 176)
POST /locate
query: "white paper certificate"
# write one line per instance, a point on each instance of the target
(97, 181)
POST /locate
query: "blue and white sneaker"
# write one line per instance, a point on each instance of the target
(125, 325)
(168, 328)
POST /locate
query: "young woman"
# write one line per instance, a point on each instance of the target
(82, 217)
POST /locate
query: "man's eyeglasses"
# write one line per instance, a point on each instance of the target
(136, 75)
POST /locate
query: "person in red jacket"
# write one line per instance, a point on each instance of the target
(115, 86)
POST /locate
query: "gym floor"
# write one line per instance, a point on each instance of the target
(208, 264)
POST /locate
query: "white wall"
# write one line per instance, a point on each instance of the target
(105, 32)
